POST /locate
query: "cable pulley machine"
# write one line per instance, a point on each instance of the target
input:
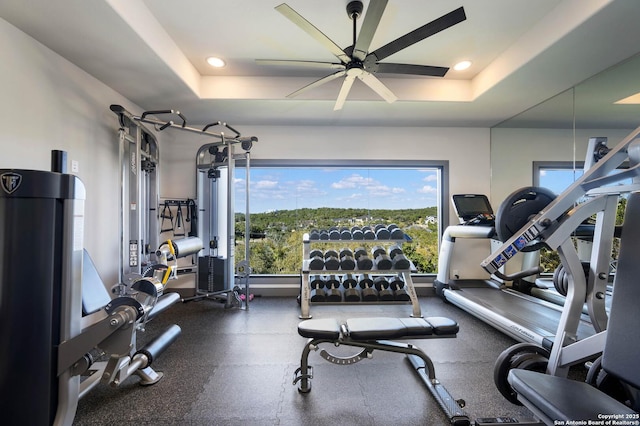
(219, 274)
(215, 171)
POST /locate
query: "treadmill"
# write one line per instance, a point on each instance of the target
(521, 316)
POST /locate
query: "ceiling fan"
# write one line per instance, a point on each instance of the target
(356, 61)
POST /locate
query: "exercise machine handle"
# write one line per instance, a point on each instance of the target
(518, 275)
(166, 111)
(220, 123)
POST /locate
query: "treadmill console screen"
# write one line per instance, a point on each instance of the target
(473, 209)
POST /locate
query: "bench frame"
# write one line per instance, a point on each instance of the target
(419, 360)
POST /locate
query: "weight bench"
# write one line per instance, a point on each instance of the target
(372, 334)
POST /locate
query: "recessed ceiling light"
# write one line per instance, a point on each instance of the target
(215, 62)
(460, 66)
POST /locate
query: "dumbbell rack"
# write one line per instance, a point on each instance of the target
(305, 288)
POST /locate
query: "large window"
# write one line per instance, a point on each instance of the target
(288, 199)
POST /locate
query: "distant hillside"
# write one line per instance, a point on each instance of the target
(326, 216)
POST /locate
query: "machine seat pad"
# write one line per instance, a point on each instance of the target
(560, 398)
(379, 328)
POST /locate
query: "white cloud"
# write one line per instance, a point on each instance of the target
(266, 184)
(353, 181)
(427, 189)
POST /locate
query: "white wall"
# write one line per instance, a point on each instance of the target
(513, 152)
(466, 149)
(48, 103)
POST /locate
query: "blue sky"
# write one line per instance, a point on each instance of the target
(372, 188)
(288, 188)
(558, 180)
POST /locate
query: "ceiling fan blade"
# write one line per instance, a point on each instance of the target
(311, 64)
(344, 91)
(419, 34)
(310, 29)
(377, 86)
(317, 83)
(411, 69)
(369, 27)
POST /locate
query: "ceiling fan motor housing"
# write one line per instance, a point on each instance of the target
(354, 9)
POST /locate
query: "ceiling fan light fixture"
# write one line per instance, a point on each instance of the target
(462, 65)
(215, 62)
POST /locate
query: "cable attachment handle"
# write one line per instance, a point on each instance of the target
(165, 111)
(220, 123)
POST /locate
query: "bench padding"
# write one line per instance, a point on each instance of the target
(379, 328)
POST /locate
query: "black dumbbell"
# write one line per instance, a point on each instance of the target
(369, 293)
(381, 259)
(362, 260)
(377, 251)
(345, 234)
(332, 284)
(350, 286)
(317, 289)
(396, 232)
(331, 260)
(400, 261)
(396, 284)
(314, 234)
(382, 285)
(324, 235)
(356, 233)
(334, 234)
(368, 233)
(347, 262)
(395, 249)
(382, 233)
(316, 262)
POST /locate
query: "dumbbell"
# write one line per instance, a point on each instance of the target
(396, 284)
(316, 262)
(382, 285)
(369, 293)
(396, 232)
(362, 260)
(347, 262)
(331, 260)
(356, 233)
(382, 233)
(381, 259)
(332, 284)
(324, 235)
(317, 289)
(398, 259)
(350, 286)
(345, 234)
(314, 234)
(334, 234)
(368, 233)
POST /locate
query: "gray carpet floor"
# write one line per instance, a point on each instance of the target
(236, 367)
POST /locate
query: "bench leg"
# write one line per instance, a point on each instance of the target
(451, 407)
(304, 374)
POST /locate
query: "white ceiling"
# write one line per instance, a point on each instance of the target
(524, 52)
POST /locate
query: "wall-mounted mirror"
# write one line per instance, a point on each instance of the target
(557, 131)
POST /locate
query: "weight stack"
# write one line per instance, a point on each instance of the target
(41, 242)
(212, 274)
